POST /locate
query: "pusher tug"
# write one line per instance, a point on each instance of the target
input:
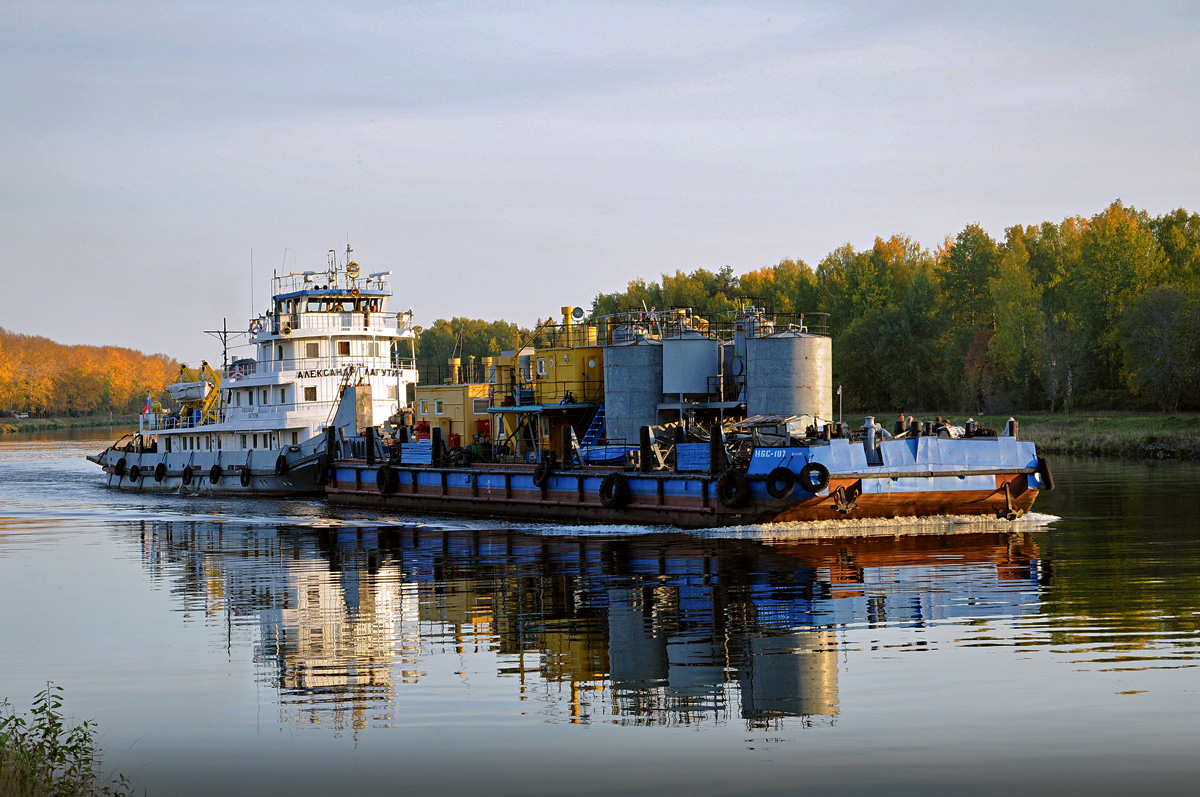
(672, 418)
(262, 425)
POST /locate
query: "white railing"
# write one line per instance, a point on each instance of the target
(313, 410)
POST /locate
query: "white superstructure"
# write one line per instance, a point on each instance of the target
(260, 425)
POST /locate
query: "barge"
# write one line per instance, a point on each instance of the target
(672, 419)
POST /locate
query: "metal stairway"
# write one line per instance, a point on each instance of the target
(595, 429)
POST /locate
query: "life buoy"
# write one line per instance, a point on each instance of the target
(255, 327)
(286, 330)
(614, 491)
(236, 373)
(214, 475)
(160, 471)
(1043, 469)
(733, 488)
(245, 477)
(814, 477)
(135, 473)
(780, 482)
(386, 480)
(119, 469)
(541, 474)
(186, 476)
(281, 465)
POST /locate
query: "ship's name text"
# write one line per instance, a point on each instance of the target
(314, 373)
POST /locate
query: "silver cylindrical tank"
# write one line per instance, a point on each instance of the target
(690, 364)
(790, 373)
(633, 374)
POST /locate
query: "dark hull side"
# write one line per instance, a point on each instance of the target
(298, 482)
(682, 500)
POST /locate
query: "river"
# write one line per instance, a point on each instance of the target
(286, 647)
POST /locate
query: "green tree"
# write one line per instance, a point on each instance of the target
(965, 268)
(463, 338)
(1178, 233)
(1017, 346)
(1119, 260)
(1160, 335)
(790, 286)
(908, 351)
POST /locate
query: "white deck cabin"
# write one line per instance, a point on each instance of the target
(322, 331)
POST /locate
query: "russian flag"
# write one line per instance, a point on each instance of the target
(146, 409)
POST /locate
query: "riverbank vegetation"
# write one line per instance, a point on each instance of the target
(42, 755)
(42, 378)
(1099, 313)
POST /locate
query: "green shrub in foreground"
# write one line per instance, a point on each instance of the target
(42, 756)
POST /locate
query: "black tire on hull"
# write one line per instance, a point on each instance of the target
(386, 480)
(614, 491)
(541, 474)
(733, 488)
(214, 474)
(119, 468)
(245, 478)
(814, 477)
(780, 482)
(135, 473)
(160, 471)
(186, 476)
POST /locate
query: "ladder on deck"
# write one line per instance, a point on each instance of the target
(595, 429)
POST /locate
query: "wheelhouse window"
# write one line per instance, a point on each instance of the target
(343, 348)
(424, 406)
(312, 350)
(439, 406)
(310, 393)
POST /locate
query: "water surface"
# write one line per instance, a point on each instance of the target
(285, 647)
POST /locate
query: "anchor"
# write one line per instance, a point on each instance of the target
(1008, 513)
(844, 500)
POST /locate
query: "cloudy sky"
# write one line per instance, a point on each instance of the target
(505, 159)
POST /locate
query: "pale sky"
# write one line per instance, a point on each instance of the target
(503, 160)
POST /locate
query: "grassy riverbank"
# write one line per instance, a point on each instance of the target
(14, 425)
(1112, 434)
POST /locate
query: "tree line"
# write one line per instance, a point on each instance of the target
(41, 377)
(1087, 313)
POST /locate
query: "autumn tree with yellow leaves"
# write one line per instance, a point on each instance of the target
(42, 377)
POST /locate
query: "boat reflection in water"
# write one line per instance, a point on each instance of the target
(663, 628)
